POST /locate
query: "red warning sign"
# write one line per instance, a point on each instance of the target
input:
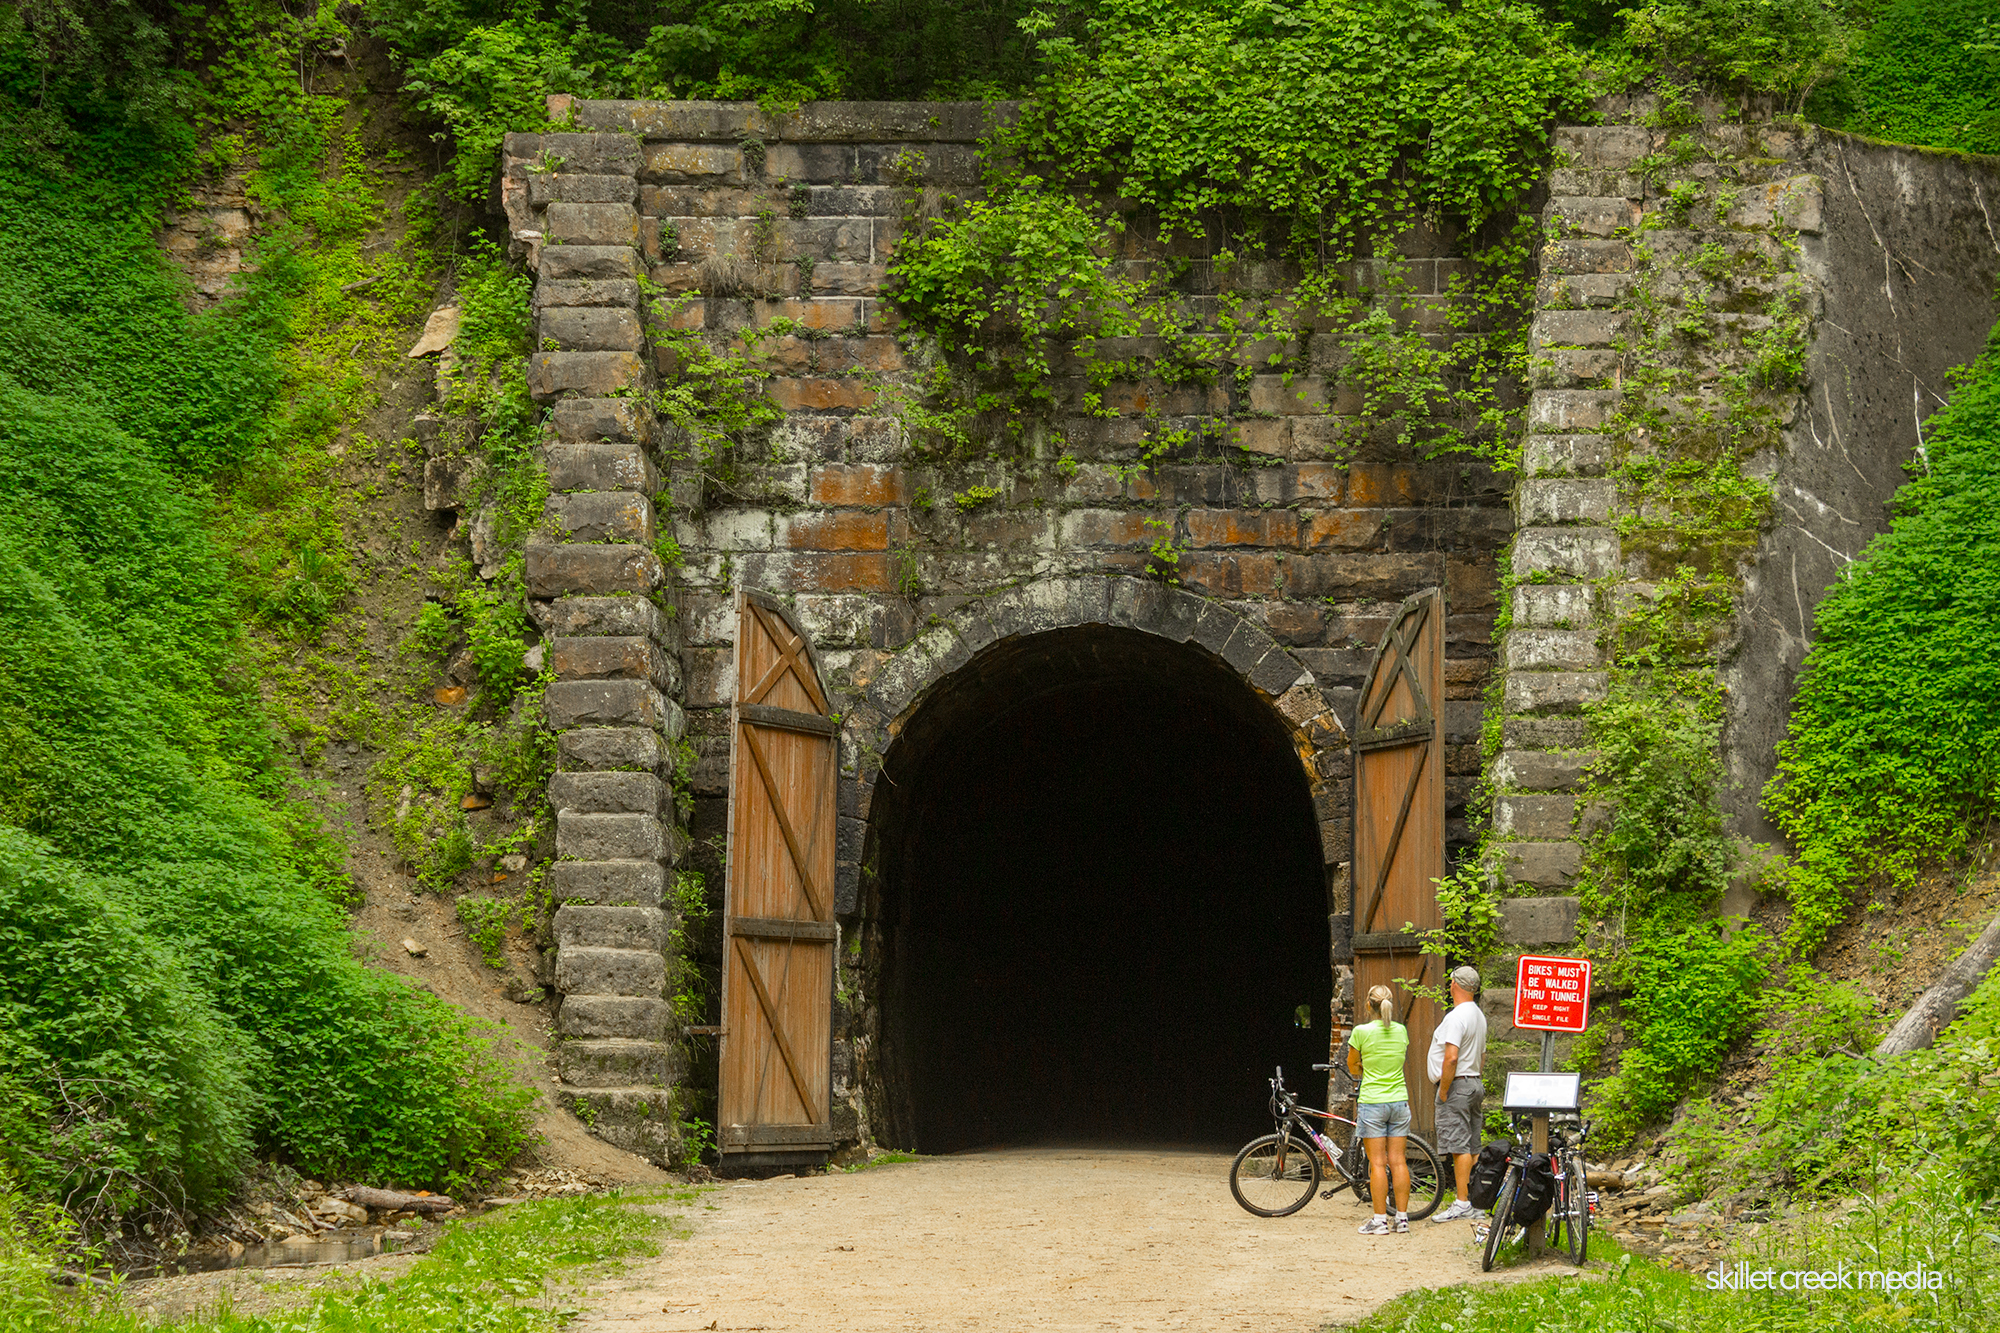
(1552, 993)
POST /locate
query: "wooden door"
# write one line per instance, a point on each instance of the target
(779, 935)
(1399, 828)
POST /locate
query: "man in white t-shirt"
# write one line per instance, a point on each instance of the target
(1458, 1050)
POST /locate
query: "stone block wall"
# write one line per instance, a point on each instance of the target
(1293, 513)
(1869, 236)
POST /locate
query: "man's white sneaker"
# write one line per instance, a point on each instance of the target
(1459, 1208)
(1375, 1226)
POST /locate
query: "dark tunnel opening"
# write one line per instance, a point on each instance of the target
(1101, 910)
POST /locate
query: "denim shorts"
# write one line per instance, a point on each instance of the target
(1383, 1120)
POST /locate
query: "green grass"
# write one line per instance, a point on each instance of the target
(502, 1275)
(1928, 1222)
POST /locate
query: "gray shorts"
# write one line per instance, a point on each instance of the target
(1461, 1120)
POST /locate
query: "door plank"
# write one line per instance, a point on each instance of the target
(778, 1036)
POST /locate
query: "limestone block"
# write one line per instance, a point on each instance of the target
(447, 482)
(590, 224)
(1585, 255)
(1546, 865)
(1565, 553)
(1551, 691)
(1544, 733)
(1603, 146)
(933, 164)
(633, 616)
(1544, 501)
(1600, 217)
(584, 154)
(584, 971)
(586, 292)
(600, 467)
(1535, 817)
(1554, 605)
(639, 1120)
(614, 1063)
(559, 263)
(592, 374)
(556, 568)
(1596, 181)
(1582, 291)
(622, 420)
(1538, 921)
(643, 882)
(580, 926)
(610, 838)
(591, 328)
(1797, 202)
(614, 657)
(606, 703)
(810, 163)
(1551, 649)
(1577, 328)
(562, 187)
(601, 516)
(636, 1017)
(1566, 455)
(1541, 770)
(1571, 411)
(613, 793)
(693, 164)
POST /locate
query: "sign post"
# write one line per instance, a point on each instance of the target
(1552, 994)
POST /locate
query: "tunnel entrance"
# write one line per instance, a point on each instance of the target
(1099, 904)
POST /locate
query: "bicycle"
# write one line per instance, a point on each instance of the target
(1568, 1218)
(1276, 1174)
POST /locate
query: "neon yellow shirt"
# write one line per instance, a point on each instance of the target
(1382, 1051)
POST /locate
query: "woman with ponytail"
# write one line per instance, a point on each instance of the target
(1375, 1053)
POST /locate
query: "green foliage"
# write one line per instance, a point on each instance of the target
(1665, 856)
(501, 1274)
(1693, 995)
(1779, 46)
(129, 1089)
(485, 922)
(1006, 258)
(1893, 750)
(1279, 150)
(1469, 903)
(136, 439)
(1910, 1217)
(1924, 72)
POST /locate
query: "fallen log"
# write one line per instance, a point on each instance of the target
(393, 1201)
(1937, 1007)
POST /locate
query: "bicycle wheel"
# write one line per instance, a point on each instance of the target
(1274, 1176)
(1497, 1229)
(1576, 1210)
(1427, 1177)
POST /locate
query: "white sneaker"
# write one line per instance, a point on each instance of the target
(1402, 1224)
(1375, 1226)
(1459, 1208)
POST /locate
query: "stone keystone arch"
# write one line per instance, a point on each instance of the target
(883, 700)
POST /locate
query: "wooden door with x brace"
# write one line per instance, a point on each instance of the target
(1399, 829)
(779, 936)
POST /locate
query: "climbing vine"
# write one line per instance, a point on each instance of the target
(1284, 164)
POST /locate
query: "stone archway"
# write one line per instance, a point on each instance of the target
(1110, 809)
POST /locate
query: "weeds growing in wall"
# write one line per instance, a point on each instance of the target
(1284, 167)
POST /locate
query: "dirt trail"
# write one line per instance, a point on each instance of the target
(1039, 1238)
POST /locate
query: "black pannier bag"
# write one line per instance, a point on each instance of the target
(1486, 1175)
(1536, 1191)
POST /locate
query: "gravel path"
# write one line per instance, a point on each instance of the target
(1019, 1239)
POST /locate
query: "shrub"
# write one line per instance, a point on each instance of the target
(130, 1089)
(1693, 995)
(1893, 750)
